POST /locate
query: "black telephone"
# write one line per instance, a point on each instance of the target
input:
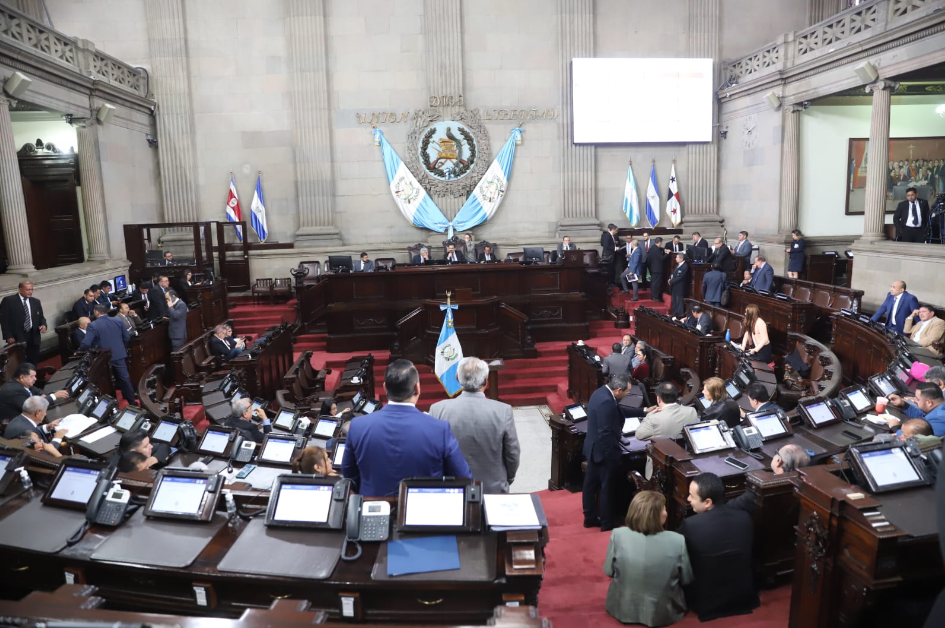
(747, 438)
(365, 521)
(11, 459)
(846, 409)
(109, 503)
(243, 450)
(187, 440)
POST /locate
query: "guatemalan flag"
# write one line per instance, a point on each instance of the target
(234, 212)
(631, 202)
(414, 202)
(672, 198)
(652, 198)
(486, 198)
(258, 209)
(448, 354)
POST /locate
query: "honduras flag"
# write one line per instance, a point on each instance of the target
(411, 198)
(486, 198)
(631, 202)
(448, 354)
(258, 209)
(652, 198)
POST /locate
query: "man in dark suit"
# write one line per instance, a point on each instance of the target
(723, 255)
(678, 286)
(106, 298)
(564, 245)
(364, 265)
(128, 318)
(609, 245)
(617, 362)
(252, 425)
(487, 256)
(85, 306)
(177, 324)
(423, 257)
(699, 319)
(698, 241)
(17, 326)
(30, 419)
(911, 218)
(110, 333)
(158, 297)
(78, 334)
(719, 540)
(398, 441)
(605, 420)
(898, 305)
(16, 391)
(453, 256)
(143, 293)
(218, 344)
(762, 275)
(168, 259)
(630, 276)
(676, 246)
(656, 263)
(713, 285)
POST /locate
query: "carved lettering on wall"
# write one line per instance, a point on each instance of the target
(511, 114)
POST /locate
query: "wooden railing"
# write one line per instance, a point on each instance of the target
(513, 331)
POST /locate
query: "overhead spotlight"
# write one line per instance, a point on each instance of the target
(723, 133)
(152, 141)
(17, 84)
(866, 72)
(805, 105)
(105, 113)
(773, 100)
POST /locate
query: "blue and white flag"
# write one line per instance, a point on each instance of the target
(258, 209)
(631, 202)
(652, 198)
(448, 354)
(412, 200)
(486, 198)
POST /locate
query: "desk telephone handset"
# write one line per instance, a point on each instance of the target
(844, 407)
(365, 521)
(243, 450)
(109, 502)
(747, 438)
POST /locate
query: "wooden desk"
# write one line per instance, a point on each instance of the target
(149, 347)
(826, 300)
(361, 310)
(782, 317)
(690, 349)
(862, 350)
(584, 377)
(213, 304)
(263, 370)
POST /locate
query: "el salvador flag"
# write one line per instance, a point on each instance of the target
(412, 200)
(652, 199)
(631, 202)
(258, 209)
(486, 198)
(448, 354)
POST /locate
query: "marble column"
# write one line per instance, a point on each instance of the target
(878, 155)
(701, 192)
(93, 194)
(790, 170)
(170, 80)
(820, 10)
(16, 230)
(34, 9)
(308, 59)
(578, 162)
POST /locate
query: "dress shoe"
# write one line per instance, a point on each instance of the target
(606, 528)
(634, 299)
(592, 524)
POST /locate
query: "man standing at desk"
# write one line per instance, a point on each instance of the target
(110, 333)
(609, 245)
(605, 420)
(722, 255)
(713, 285)
(678, 286)
(743, 248)
(617, 362)
(564, 245)
(22, 320)
(398, 441)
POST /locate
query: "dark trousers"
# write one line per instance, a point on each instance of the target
(123, 380)
(608, 265)
(715, 303)
(601, 477)
(911, 234)
(656, 287)
(677, 306)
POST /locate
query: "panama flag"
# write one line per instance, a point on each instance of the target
(412, 200)
(233, 211)
(652, 198)
(631, 202)
(486, 198)
(672, 198)
(258, 208)
(448, 354)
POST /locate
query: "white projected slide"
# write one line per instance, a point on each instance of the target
(620, 101)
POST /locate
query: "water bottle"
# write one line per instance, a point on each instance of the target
(230, 507)
(26, 482)
(728, 336)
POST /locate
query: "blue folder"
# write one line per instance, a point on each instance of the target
(422, 555)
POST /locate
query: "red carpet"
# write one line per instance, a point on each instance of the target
(575, 587)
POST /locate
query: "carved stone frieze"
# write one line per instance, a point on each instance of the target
(424, 121)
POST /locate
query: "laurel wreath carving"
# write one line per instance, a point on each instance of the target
(418, 142)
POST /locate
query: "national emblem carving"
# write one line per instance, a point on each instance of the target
(448, 155)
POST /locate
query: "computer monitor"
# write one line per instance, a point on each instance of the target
(696, 253)
(216, 441)
(286, 420)
(165, 432)
(576, 412)
(818, 412)
(704, 402)
(883, 384)
(707, 436)
(887, 467)
(307, 501)
(337, 263)
(120, 283)
(74, 483)
(770, 425)
(858, 398)
(184, 494)
(128, 419)
(104, 408)
(75, 385)
(435, 506)
(732, 389)
(279, 449)
(534, 255)
(326, 427)
(338, 455)
(370, 406)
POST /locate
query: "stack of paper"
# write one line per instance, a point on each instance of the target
(630, 425)
(75, 424)
(511, 512)
(99, 434)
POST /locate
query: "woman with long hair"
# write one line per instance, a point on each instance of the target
(721, 406)
(756, 335)
(649, 566)
(313, 460)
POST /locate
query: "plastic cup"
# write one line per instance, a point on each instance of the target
(881, 405)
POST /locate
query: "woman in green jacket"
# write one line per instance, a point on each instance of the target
(649, 566)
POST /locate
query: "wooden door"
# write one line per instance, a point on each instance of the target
(52, 209)
(234, 265)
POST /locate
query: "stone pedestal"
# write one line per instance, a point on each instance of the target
(875, 215)
(16, 229)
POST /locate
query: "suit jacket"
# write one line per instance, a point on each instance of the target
(158, 303)
(460, 258)
(907, 305)
(933, 332)
(743, 248)
(12, 396)
(679, 280)
(675, 248)
(482, 258)
(667, 423)
(13, 317)
(656, 260)
(701, 244)
(20, 426)
(713, 285)
(726, 410)
(249, 429)
(220, 347)
(604, 426)
(130, 321)
(635, 262)
(703, 323)
(368, 266)
(137, 295)
(763, 278)
(616, 363)
(84, 308)
(485, 431)
(607, 245)
(724, 258)
(77, 336)
(397, 442)
(177, 326)
(720, 542)
(418, 259)
(901, 217)
(108, 333)
(560, 258)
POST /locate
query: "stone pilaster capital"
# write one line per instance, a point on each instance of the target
(6, 101)
(82, 123)
(882, 84)
(791, 109)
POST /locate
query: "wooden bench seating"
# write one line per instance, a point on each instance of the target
(156, 398)
(310, 380)
(192, 362)
(825, 377)
(827, 300)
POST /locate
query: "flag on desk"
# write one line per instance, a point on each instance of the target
(489, 192)
(234, 213)
(631, 202)
(412, 200)
(258, 209)
(448, 354)
(652, 198)
(672, 198)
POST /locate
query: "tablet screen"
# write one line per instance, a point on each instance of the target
(181, 496)
(84, 397)
(577, 412)
(769, 425)
(126, 420)
(886, 386)
(889, 466)
(707, 438)
(303, 502)
(100, 409)
(4, 461)
(75, 485)
(165, 432)
(435, 507)
(732, 389)
(705, 403)
(356, 399)
(75, 386)
(284, 420)
(820, 413)
(278, 450)
(859, 400)
(325, 428)
(215, 441)
(369, 407)
(902, 374)
(339, 454)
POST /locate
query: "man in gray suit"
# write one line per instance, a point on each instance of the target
(177, 313)
(564, 245)
(669, 418)
(618, 362)
(365, 265)
(484, 428)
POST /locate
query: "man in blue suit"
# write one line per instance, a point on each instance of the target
(762, 275)
(399, 441)
(605, 420)
(633, 274)
(108, 332)
(898, 305)
(713, 285)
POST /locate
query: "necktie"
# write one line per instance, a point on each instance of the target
(646, 245)
(28, 321)
(915, 216)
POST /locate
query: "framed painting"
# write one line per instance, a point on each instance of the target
(914, 162)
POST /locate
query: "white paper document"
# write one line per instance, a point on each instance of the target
(75, 424)
(630, 425)
(99, 434)
(514, 511)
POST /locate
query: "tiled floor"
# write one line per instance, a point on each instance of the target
(534, 436)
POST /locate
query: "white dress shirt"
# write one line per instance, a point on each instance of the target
(895, 308)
